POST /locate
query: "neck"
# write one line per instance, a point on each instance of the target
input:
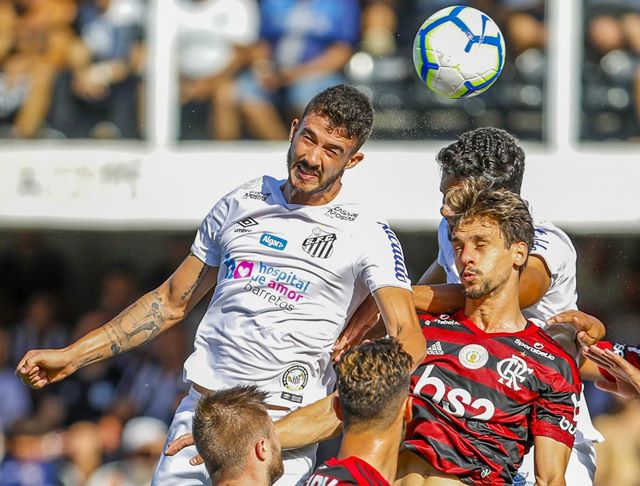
(498, 311)
(295, 196)
(378, 448)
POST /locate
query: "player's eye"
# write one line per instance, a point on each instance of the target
(332, 152)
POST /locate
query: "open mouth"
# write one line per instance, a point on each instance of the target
(306, 175)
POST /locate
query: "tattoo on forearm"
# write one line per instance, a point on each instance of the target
(140, 327)
(199, 278)
(90, 359)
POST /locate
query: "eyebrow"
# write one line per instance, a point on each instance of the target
(329, 145)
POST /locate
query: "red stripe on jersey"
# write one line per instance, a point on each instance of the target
(350, 470)
(630, 353)
(479, 398)
(501, 350)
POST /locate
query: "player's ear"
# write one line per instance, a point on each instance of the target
(354, 160)
(335, 404)
(262, 449)
(295, 123)
(407, 410)
(520, 251)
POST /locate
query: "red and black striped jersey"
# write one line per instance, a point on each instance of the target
(352, 470)
(626, 351)
(480, 398)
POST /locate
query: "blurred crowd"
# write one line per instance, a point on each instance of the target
(76, 68)
(107, 423)
(71, 69)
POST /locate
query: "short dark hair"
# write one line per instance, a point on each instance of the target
(346, 108)
(226, 425)
(474, 200)
(373, 382)
(490, 154)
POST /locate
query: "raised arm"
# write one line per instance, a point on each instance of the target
(438, 299)
(550, 460)
(399, 315)
(308, 425)
(142, 321)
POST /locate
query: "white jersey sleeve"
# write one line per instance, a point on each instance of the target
(446, 257)
(206, 245)
(382, 261)
(554, 247)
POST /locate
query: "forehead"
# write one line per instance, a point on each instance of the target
(484, 228)
(321, 125)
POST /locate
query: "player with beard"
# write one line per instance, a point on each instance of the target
(234, 435)
(493, 383)
(547, 284)
(290, 261)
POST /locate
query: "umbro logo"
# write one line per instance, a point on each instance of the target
(435, 349)
(244, 224)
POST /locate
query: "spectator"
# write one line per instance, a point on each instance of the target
(213, 36)
(41, 326)
(304, 46)
(615, 25)
(617, 457)
(28, 459)
(95, 98)
(142, 442)
(15, 400)
(28, 266)
(32, 47)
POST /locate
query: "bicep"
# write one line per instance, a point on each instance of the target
(534, 281)
(190, 282)
(400, 318)
(550, 459)
(396, 307)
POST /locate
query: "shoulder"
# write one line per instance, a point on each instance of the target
(553, 246)
(258, 189)
(552, 355)
(548, 237)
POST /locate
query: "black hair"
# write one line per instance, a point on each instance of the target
(346, 108)
(489, 154)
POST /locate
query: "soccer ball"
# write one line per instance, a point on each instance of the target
(459, 52)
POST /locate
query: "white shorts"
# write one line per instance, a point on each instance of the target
(176, 470)
(580, 470)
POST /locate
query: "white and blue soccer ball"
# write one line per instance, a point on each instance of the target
(459, 52)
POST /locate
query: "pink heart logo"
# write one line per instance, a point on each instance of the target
(243, 270)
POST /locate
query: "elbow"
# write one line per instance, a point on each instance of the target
(554, 480)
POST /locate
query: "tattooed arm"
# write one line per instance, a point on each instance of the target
(142, 321)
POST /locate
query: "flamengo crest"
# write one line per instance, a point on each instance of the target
(513, 371)
(319, 244)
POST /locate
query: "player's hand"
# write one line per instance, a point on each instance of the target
(589, 329)
(41, 367)
(364, 318)
(627, 376)
(180, 443)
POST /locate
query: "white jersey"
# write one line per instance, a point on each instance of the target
(554, 247)
(289, 278)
